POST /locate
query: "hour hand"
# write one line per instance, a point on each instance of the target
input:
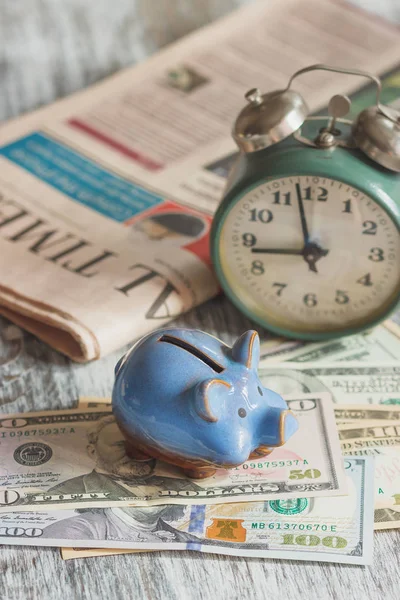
(293, 251)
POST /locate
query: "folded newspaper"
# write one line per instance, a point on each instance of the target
(106, 198)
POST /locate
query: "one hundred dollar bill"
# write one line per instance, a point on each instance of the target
(349, 383)
(76, 458)
(319, 529)
(378, 345)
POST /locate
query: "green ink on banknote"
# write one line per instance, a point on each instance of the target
(391, 401)
(290, 506)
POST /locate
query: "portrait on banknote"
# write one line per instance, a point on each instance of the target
(106, 448)
(138, 524)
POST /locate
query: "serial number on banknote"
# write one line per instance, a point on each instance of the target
(36, 432)
(277, 463)
(293, 526)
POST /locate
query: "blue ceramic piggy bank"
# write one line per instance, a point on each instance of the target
(187, 398)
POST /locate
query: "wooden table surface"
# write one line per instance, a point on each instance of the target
(49, 48)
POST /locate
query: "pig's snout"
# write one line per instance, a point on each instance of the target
(278, 426)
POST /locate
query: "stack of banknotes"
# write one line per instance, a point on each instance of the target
(66, 481)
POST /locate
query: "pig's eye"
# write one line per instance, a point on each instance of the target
(242, 412)
(260, 391)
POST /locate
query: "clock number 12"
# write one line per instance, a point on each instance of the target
(322, 195)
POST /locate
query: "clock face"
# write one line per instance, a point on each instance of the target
(310, 255)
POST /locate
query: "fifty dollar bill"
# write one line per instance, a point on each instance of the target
(77, 458)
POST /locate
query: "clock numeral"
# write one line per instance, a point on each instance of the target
(280, 286)
(257, 267)
(286, 197)
(370, 227)
(365, 280)
(249, 240)
(377, 255)
(307, 193)
(322, 195)
(310, 300)
(264, 215)
(347, 206)
(341, 297)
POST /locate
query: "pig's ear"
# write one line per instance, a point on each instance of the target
(246, 349)
(209, 395)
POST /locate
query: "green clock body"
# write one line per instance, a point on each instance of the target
(306, 241)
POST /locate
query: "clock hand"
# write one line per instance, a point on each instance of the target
(302, 215)
(277, 251)
(311, 254)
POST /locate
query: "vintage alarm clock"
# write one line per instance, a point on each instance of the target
(306, 241)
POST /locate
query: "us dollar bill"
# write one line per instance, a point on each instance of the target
(375, 431)
(93, 401)
(355, 413)
(354, 424)
(393, 324)
(77, 458)
(349, 383)
(70, 553)
(378, 345)
(367, 446)
(322, 529)
(387, 469)
(384, 518)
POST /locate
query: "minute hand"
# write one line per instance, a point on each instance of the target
(304, 227)
(277, 251)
